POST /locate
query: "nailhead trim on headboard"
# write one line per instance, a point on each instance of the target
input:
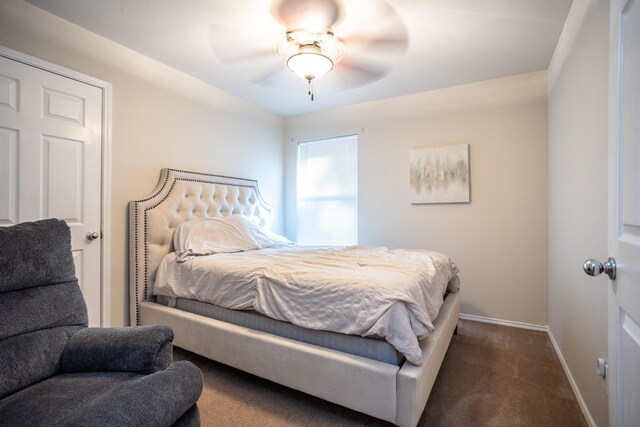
(139, 211)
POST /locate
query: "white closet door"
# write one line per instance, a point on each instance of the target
(50, 161)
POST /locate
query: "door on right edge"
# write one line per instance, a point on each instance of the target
(624, 213)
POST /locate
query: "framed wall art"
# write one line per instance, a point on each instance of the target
(439, 174)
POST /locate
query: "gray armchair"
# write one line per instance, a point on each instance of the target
(56, 371)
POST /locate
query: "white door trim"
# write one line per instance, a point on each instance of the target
(105, 210)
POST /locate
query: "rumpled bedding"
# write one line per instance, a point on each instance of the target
(393, 294)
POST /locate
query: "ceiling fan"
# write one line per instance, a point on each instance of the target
(356, 40)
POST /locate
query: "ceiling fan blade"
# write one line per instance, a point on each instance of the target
(277, 76)
(353, 73)
(243, 54)
(256, 39)
(373, 27)
(308, 14)
(230, 46)
(378, 45)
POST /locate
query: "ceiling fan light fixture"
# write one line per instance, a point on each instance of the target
(309, 62)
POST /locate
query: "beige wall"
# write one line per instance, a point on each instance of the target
(578, 197)
(161, 118)
(499, 239)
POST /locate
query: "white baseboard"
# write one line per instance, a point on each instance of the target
(504, 322)
(574, 386)
(567, 371)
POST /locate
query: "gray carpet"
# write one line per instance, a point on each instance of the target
(491, 376)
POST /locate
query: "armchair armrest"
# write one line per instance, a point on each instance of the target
(141, 349)
(158, 399)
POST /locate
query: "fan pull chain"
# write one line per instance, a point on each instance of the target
(310, 92)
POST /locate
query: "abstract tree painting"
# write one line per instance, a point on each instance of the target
(439, 174)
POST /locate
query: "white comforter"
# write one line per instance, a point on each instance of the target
(394, 294)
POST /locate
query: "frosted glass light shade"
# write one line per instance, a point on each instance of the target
(309, 64)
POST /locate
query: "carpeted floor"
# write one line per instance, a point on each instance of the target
(491, 376)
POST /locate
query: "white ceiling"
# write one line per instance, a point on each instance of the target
(450, 42)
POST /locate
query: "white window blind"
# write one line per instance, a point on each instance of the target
(328, 191)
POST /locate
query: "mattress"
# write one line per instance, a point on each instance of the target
(366, 291)
(371, 348)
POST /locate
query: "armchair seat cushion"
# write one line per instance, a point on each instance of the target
(51, 401)
(105, 398)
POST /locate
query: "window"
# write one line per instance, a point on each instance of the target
(328, 191)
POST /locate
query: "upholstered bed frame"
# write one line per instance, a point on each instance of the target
(397, 394)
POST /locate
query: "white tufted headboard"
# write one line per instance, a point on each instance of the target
(181, 196)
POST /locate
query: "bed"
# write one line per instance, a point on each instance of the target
(377, 381)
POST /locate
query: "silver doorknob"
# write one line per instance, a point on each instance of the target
(593, 267)
(93, 235)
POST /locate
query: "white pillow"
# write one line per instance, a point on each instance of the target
(207, 236)
(264, 237)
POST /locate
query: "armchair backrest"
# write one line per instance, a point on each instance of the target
(41, 305)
